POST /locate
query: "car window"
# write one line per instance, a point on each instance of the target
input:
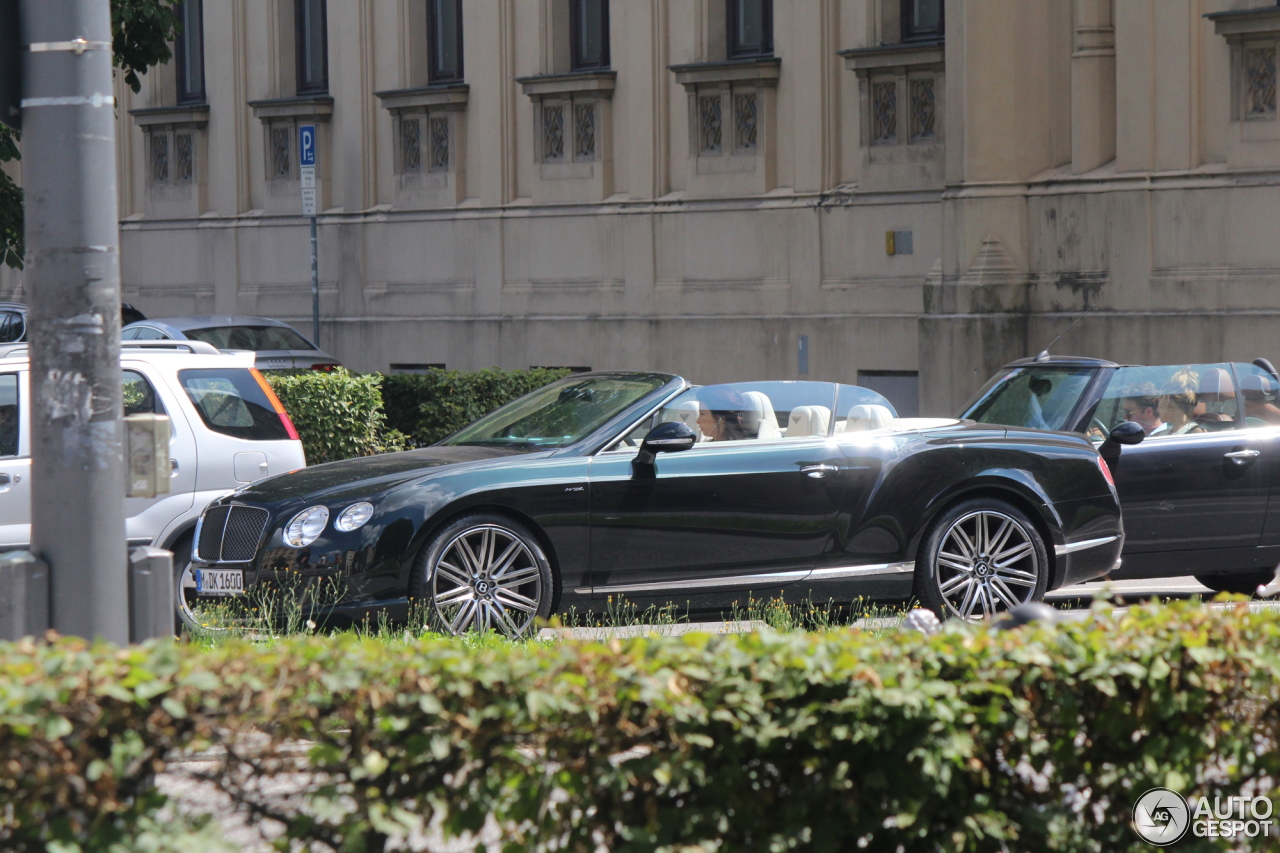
(139, 396)
(758, 411)
(129, 335)
(255, 338)
(147, 333)
(1036, 397)
(230, 401)
(9, 414)
(12, 327)
(559, 414)
(1169, 400)
(1259, 391)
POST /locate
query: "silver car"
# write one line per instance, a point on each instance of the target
(227, 430)
(276, 345)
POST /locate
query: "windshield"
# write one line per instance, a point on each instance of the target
(1036, 397)
(559, 414)
(256, 338)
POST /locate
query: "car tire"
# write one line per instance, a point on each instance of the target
(484, 572)
(1239, 583)
(980, 557)
(181, 571)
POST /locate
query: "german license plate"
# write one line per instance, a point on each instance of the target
(219, 581)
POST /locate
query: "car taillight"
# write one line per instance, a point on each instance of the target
(325, 367)
(1106, 470)
(275, 404)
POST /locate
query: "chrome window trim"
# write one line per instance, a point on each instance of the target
(769, 579)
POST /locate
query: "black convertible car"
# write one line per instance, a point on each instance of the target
(641, 486)
(1197, 491)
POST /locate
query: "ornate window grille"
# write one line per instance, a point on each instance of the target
(884, 113)
(280, 148)
(184, 152)
(410, 145)
(160, 158)
(710, 129)
(923, 103)
(553, 133)
(438, 128)
(745, 121)
(584, 132)
(1260, 74)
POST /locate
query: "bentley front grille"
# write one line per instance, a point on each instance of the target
(230, 534)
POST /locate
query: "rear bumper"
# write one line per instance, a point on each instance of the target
(1087, 558)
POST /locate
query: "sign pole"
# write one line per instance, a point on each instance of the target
(307, 173)
(73, 284)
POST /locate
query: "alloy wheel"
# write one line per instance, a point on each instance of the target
(486, 578)
(987, 563)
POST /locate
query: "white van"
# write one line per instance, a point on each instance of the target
(228, 429)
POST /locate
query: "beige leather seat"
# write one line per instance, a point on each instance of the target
(867, 417)
(759, 411)
(808, 421)
(685, 413)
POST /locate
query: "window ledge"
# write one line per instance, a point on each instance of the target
(601, 83)
(449, 96)
(762, 71)
(918, 55)
(319, 107)
(1246, 22)
(188, 114)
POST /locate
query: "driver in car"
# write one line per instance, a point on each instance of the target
(721, 415)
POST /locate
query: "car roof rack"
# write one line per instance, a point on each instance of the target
(193, 347)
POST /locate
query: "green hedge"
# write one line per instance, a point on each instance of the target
(338, 415)
(341, 415)
(967, 741)
(426, 407)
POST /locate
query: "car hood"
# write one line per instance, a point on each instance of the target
(366, 474)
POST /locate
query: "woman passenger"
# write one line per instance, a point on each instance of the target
(1177, 406)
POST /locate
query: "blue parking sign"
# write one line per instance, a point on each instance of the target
(307, 145)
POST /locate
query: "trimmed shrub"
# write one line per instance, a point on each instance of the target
(338, 415)
(429, 406)
(968, 741)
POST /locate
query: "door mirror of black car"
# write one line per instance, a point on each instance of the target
(665, 438)
(1127, 433)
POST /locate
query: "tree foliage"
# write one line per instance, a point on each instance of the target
(141, 33)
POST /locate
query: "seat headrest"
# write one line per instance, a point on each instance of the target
(864, 417)
(1256, 384)
(687, 414)
(758, 412)
(808, 420)
(1216, 381)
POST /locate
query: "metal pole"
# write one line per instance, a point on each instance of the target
(315, 286)
(72, 281)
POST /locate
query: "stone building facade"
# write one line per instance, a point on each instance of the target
(856, 190)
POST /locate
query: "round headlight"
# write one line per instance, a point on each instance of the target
(306, 526)
(354, 517)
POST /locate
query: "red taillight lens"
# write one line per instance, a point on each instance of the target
(276, 404)
(1106, 471)
(325, 367)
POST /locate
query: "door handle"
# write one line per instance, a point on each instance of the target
(817, 472)
(5, 479)
(1242, 456)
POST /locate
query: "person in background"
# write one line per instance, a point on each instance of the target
(1178, 404)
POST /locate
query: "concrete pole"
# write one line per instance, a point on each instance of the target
(72, 281)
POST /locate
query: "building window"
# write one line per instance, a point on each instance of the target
(750, 27)
(922, 20)
(884, 113)
(922, 109)
(189, 49)
(589, 43)
(312, 47)
(444, 36)
(1260, 77)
